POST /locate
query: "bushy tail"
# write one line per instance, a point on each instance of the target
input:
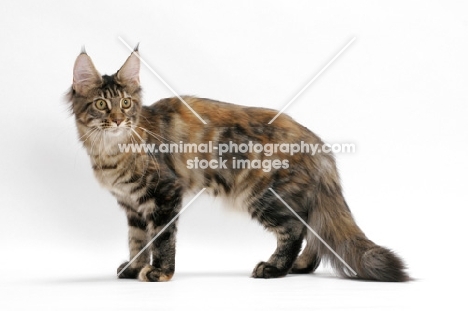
(332, 220)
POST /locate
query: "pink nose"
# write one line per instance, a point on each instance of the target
(117, 121)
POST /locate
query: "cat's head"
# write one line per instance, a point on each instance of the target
(106, 104)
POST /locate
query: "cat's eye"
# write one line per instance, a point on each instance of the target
(101, 104)
(125, 103)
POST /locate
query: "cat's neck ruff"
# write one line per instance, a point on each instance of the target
(104, 143)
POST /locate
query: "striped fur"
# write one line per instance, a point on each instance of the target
(149, 187)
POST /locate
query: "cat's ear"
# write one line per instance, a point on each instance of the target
(85, 75)
(129, 74)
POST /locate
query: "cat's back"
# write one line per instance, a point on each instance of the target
(173, 111)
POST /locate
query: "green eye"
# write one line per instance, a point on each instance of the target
(125, 103)
(101, 104)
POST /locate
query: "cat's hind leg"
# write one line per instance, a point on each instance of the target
(289, 231)
(309, 260)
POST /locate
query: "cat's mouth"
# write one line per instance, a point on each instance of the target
(115, 131)
(116, 128)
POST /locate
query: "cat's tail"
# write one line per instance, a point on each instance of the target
(353, 254)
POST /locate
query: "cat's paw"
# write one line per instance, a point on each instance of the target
(303, 266)
(150, 273)
(264, 270)
(128, 273)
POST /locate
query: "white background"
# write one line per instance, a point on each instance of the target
(398, 93)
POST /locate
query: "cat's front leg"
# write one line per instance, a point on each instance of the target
(137, 239)
(163, 248)
(162, 224)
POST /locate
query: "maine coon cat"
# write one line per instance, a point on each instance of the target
(149, 185)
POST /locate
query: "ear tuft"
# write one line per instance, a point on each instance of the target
(85, 75)
(129, 74)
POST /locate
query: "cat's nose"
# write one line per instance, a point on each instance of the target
(117, 118)
(117, 121)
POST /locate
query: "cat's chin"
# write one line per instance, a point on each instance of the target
(116, 131)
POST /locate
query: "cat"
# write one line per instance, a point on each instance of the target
(149, 185)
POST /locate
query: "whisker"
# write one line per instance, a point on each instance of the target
(93, 143)
(157, 136)
(136, 133)
(100, 151)
(151, 156)
(93, 131)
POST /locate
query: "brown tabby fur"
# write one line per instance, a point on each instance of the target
(150, 186)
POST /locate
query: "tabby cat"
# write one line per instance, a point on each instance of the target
(149, 184)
